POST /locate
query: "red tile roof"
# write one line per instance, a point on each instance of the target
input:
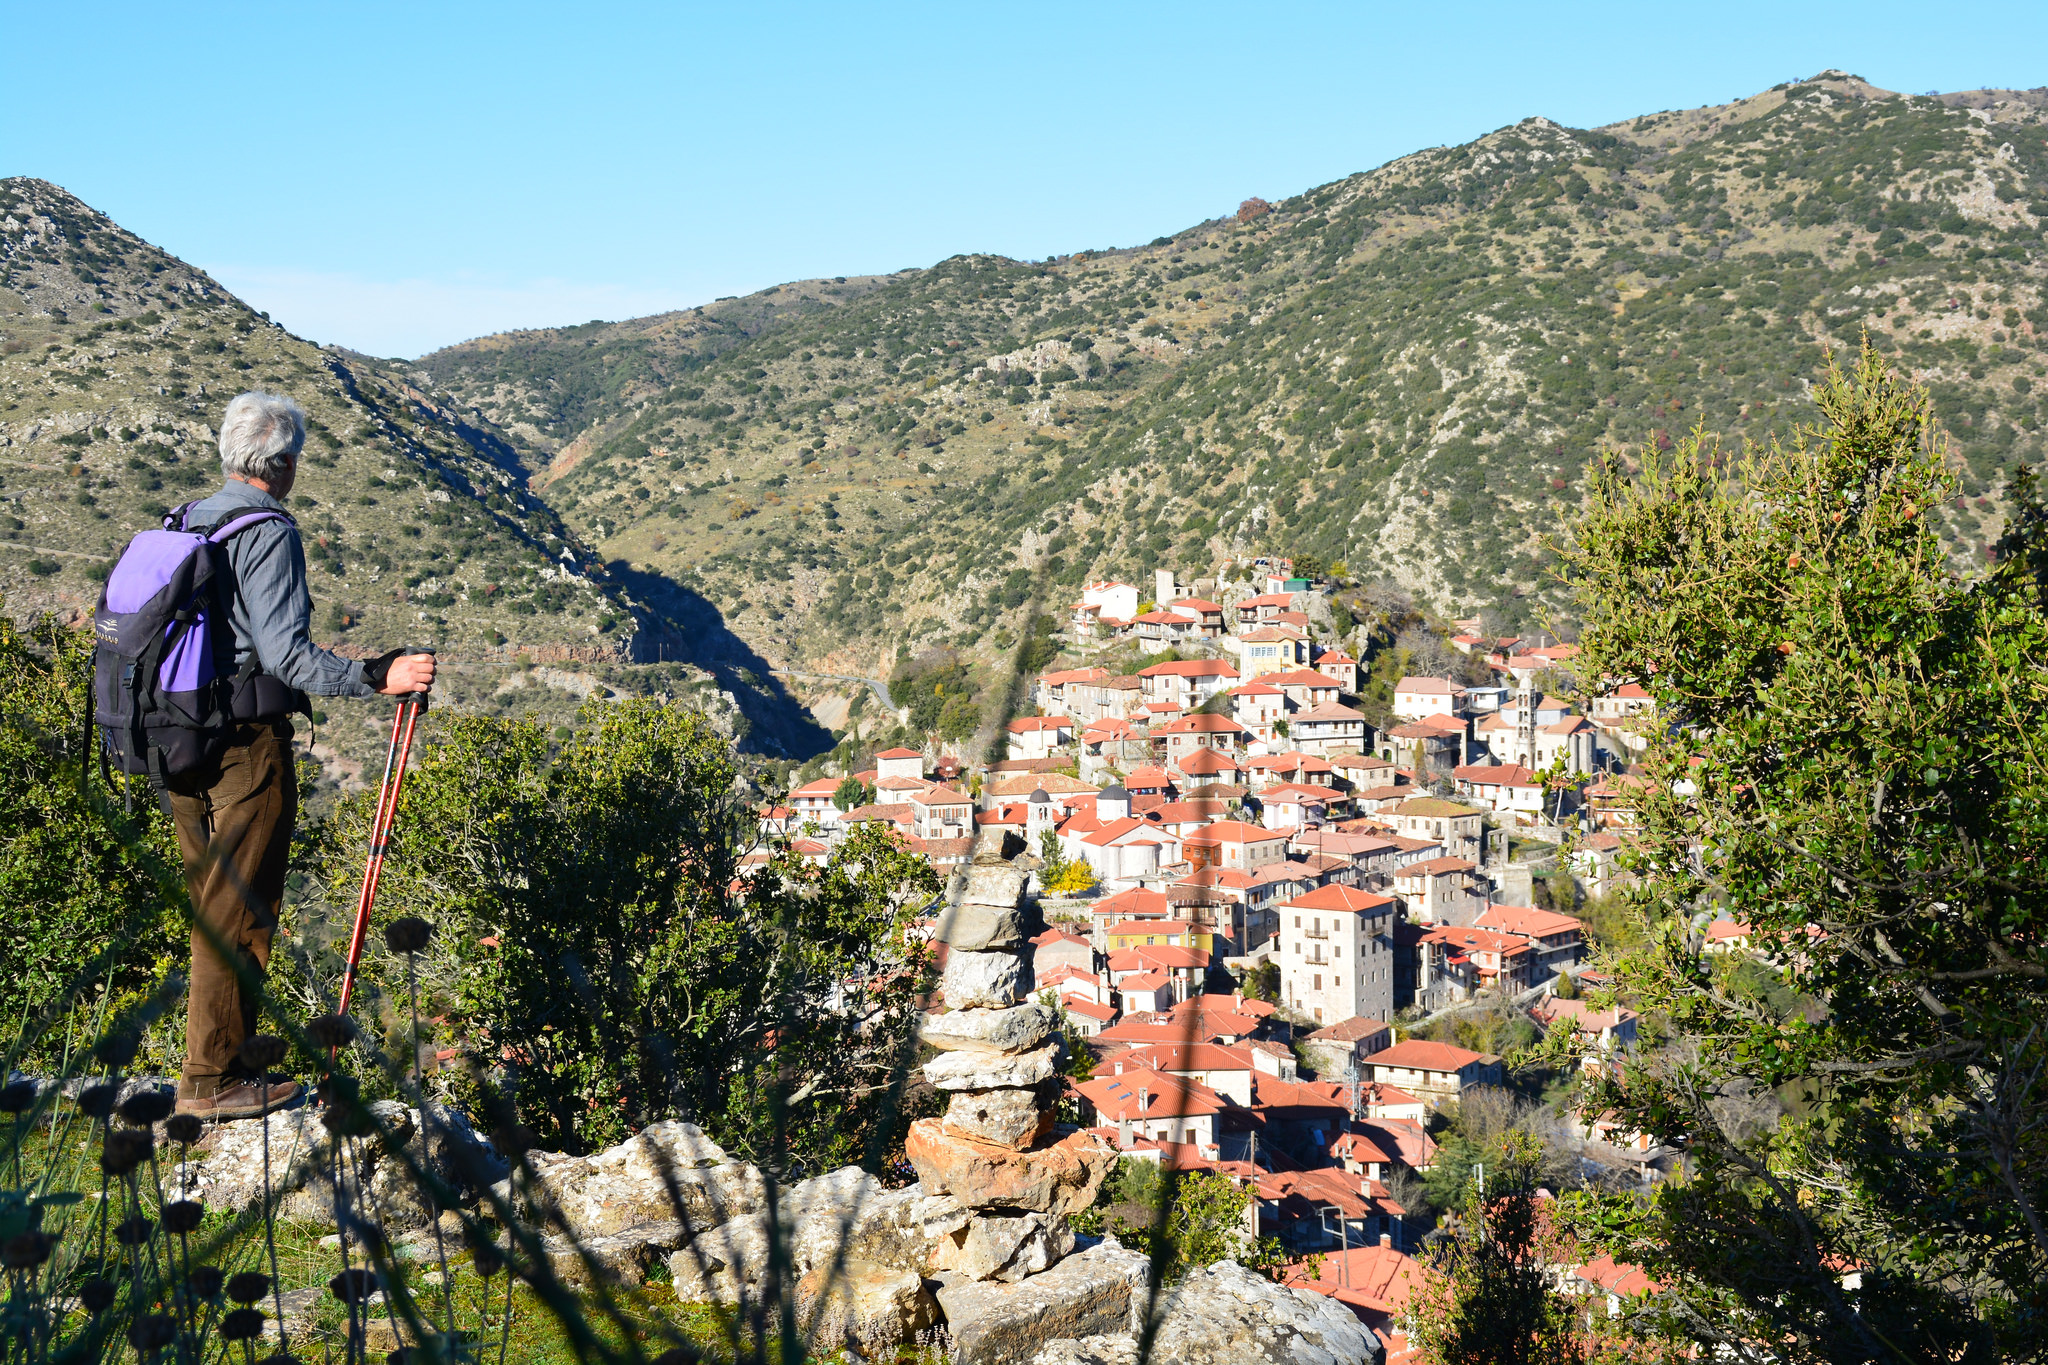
(1338, 897)
(1207, 763)
(1127, 904)
(1166, 1096)
(1200, 724)
(1528, 920)
(1189, 668)
(1419, 1054)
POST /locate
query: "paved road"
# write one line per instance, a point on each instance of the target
(876, 685)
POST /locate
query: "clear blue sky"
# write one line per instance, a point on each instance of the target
(399, 177)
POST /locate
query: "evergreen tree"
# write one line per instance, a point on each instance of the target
(1855, 764)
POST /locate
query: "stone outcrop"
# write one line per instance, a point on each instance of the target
(867, 1309)
(669, 1172)
(1085, 1295)
(1225, 1315)
(225, 1169)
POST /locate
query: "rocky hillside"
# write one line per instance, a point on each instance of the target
(1407, 370)
(115, 361)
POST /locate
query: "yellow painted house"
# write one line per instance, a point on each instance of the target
(1159, 933)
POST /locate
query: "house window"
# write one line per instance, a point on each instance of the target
(1319, 986)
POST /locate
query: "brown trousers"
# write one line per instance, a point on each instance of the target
(235, 831)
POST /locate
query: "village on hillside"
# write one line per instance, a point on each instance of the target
(1251, 892)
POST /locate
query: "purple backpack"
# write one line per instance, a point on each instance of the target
(164, 683)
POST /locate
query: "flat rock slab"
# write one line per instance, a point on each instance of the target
(990, 1071)
(977, 928)
(1060, 1177)
(993, 1032)
(1086, 1295)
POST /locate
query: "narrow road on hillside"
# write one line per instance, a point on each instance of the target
(876, 685)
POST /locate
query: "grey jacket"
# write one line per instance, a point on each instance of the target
(272, 612)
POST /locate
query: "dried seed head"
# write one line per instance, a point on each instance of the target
(487, 1258)
(97, 1101)
(133, 1231)
(183, 1216)
(408, 935)
(353, 1286)
(248, 1286)
(146, 1107)
(97, 1294)
(125, 1149)
(206, 1280)
(184, 1128)
(331, 1030)
(152, 1332)
(117, 1050)
(26, 1250)
(242, 1324)
(16, 1097)
(262, 1051)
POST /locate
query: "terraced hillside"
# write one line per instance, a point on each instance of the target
(1407, 370)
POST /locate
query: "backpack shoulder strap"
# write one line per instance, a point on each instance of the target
(235, 522)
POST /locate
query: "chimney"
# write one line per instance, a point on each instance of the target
(1386, 1240)
(1123, 1132)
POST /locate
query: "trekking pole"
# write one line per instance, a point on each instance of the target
(395, 759)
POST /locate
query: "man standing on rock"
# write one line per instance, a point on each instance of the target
(235, 816)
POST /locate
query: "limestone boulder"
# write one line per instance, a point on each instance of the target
(1117, 1348)
(984, 980)
(621, 1259)
(1059, 1177)
(416, 1163)
(864, 1308)
(900, 1229)
(668, 1172)
(1006, 1118)
(905, 1228)
(1089, 1294)
(1227, 1315)
(1020, 1028)
(991, 1071)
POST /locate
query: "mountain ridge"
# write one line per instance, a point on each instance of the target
(1407, 369)
(1482, 320)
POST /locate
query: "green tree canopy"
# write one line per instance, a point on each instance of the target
(1853, 766)
(603, 949)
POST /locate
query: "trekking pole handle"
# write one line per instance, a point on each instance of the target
(417, 700)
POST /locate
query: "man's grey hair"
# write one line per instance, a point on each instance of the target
(260, 434)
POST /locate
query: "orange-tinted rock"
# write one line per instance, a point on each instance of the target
(1059, 1177)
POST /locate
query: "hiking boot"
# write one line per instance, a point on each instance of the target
(243, 1100)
